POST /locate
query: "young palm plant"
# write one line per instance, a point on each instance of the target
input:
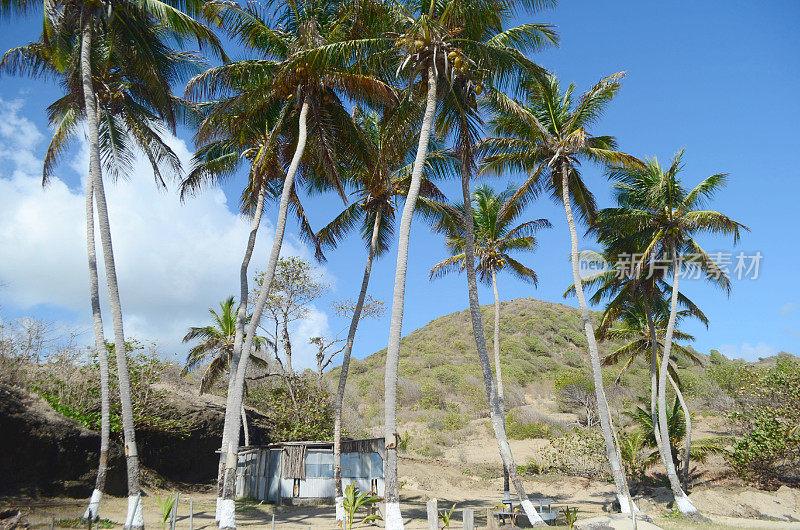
(285, 70)
(216, 349)
(679, 435)
(495, 238)
(381, 182)
(653, 203)
(546, 137)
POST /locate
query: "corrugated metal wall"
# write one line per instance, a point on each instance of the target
(259, 474)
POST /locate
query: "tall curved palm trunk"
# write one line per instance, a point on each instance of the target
(348, 350)
(498, 370)
(682, 501)
(92, 511)
(241, 355)
(495, 410)
(134, 519)
(653, 373)
(241, 318)
(603, 411)
(394, 519)
(688, 444)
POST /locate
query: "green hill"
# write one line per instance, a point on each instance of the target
(541, 343)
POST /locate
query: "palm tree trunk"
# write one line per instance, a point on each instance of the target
(603, 411)
(241, 356)
(688, 444)
(287, 348)
(499, 373)
(394, 519)
(92, 511)
(348, 349)
(682, 501)
(238, 337)
(245, 429)
(653, 372)
(134, 519)
(495, 410)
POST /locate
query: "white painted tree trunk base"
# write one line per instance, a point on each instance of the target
(227, 514)
(340, 510)
(93, 510)
(218, 509)
(685, 506)
(135, 518)
(394, 519)
(625, 504)
(533, 516)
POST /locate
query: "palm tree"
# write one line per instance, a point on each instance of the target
(630, 288)
(380, 184)
(463, 45)
(496, 237)
(133, 78)
(92, 512)
(546, 137)
(653, 203)
(308, 86)
(680, 434)
(217, 344)
(642, 326)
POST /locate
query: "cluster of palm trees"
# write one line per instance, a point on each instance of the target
(436, 87)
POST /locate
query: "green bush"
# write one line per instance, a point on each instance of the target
(74, 390)
(432, 397)
(307, 416)
(517, 430)
(769, 452)
(453, 420)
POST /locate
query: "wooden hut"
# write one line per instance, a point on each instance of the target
(303, 471)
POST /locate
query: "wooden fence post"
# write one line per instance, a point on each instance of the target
(174, 517)
(433, 514)
(491, 522)
(469, 519)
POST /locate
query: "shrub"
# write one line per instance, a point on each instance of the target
(431, 451)
(72, 388)
(306, 416)
(579, 453)
(769, 452)
(432, 397)
(453, 420)
(520, 430)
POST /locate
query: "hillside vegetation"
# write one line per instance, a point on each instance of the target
(541, 344)
(549, 396)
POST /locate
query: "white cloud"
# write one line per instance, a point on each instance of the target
(173, 260)
(748, 351)
(788, 308)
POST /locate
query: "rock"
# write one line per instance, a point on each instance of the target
(44, 453)
(615, 521)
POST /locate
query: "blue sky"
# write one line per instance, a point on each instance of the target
(719, 78)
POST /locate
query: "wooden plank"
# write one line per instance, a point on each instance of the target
(491, 522)
(469, 519)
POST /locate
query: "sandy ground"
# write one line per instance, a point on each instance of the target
(726, 507)
(467, 474)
